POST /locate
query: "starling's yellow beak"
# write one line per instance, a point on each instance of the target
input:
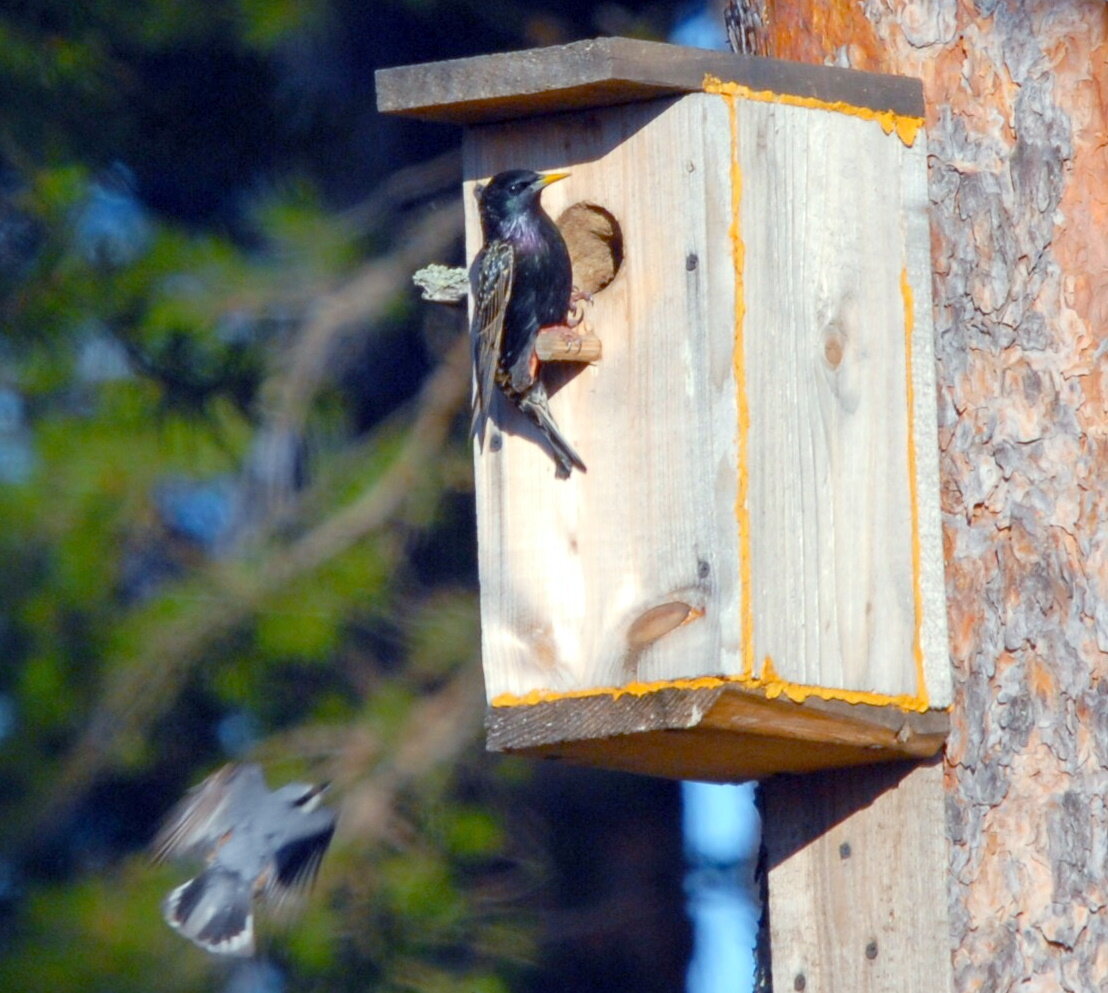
(552, 177)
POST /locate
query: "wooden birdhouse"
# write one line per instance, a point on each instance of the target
(749, 577)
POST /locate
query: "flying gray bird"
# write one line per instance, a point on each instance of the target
(255, 842)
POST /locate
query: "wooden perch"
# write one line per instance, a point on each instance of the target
(449, 284)
(567, 345)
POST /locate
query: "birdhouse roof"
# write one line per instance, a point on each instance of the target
(602, 72)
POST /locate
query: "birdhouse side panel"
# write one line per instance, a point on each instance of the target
(834, 525)
(627, 574)
(934, 642)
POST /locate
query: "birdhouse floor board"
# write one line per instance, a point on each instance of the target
(605, 71)
(715, 735)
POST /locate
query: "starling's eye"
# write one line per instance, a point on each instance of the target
(518, 187)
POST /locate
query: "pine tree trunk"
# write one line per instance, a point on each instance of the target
(1017, 121)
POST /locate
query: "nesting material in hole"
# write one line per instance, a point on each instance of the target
(595, 242)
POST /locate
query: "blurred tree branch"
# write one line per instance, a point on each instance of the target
(360, 300)
(145, 678)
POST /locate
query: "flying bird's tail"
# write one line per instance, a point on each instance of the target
(534, 404)
(214, 911)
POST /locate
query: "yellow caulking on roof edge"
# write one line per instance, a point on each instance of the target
(742, 497)
(905, 126)
(913, 483)
(770, 685)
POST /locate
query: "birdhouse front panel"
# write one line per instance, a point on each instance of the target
(626, 573)
(759, 509)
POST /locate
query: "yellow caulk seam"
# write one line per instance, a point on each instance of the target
(913, 485)
(742, 499)
(904, 126)
(769, 685)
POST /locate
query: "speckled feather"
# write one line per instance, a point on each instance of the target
(523, 282)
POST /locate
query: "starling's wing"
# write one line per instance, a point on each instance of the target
(493, 282)
(297, 859)
(209, 811)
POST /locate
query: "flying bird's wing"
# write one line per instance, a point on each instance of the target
(493, 283)
(296, 860)
(208, 812)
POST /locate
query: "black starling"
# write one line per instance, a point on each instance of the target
(524, 282)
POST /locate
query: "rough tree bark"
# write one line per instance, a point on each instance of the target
(1017, 94)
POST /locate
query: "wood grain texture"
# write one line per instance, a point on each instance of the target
(834, 347)
(831, 207)
(570, 568)
(857, 885)
(718, 734)
(606, 71)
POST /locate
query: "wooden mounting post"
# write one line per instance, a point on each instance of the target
(857, 862)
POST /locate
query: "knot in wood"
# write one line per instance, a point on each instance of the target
(834, 347)
(657, 622)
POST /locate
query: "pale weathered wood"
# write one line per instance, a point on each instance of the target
(604, 71)
(569, 566)
(933, 632)
(833, 494)
(857, 862)
(841, 544)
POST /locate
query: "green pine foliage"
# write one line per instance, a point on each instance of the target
(167, 576)
(235, 489)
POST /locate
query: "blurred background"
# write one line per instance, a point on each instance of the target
(236, 514)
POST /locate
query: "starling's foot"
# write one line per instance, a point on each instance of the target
(576, 311)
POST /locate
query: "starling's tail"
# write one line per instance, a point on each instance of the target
(535, 406)
(214, 911)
